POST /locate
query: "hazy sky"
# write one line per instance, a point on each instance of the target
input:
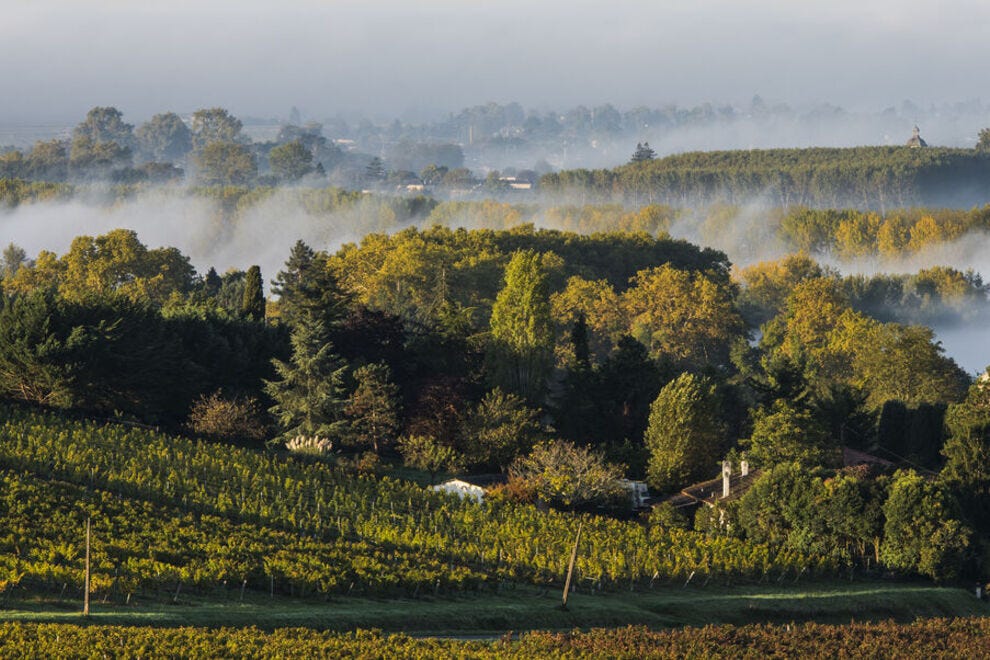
(255, 57)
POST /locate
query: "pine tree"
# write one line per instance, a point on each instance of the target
(643, 152)
(253, 302)
(309, 395)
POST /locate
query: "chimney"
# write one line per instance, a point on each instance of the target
(726, 474)
(744, 467)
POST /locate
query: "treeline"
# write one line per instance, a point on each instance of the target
(862, 177)
(930, 638)
(933, 296)
(852, 234)
(562, 360)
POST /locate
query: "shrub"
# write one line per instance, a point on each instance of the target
(233, 418)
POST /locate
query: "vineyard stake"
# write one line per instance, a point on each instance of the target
(570, 567)
(86, 586)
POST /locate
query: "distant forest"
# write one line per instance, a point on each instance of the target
(877, 178)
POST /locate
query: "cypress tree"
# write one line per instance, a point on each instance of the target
(253, 302)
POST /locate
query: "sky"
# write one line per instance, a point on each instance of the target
(391, 58)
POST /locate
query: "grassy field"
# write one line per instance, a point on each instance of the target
(532, 609)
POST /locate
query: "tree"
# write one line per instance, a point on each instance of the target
(373, 407)
(375, 170)
(309, 395)
(225, 164)
(214, 125)
(767, 285)
(101, 143)
(906, 363)
(522, 339)
(598, 306)
(422, 452)
(164, 138)
(983, 141)
(253, 302)
(921, 533)
(567, 477)
(307, 287)
(432, 175)
(499, 429)
(88, 158)
(784, 433)
(36, 347)
(105, 124)
(290, 161)
(643, 153)
(783, 509)
(967, 454)
(686, 315)
(13, 258)
(685, 435)
(48, 161)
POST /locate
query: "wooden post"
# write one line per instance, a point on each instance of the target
(570, 566)
(86, 586)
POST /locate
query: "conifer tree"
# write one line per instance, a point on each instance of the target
(253, 302)
(373, 407)
(306, 288)
(309, 395)
(643, 152)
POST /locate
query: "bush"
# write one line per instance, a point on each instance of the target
(236, 418)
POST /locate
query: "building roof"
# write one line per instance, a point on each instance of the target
(462, 489)
(709, 492)
(916, 140)
(852, 457)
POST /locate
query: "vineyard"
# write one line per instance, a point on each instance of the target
(933, 638)
(174, 514)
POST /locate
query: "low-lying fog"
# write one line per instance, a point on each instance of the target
(264, 234)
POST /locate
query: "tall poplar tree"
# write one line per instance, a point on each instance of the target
(685, 435)
(521, 350)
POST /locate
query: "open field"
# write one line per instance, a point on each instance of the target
(533, 609)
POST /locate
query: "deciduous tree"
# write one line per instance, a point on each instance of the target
(685, 436)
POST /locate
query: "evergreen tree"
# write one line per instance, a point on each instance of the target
(309, 395)
(373, 407)
(684, 435)
(643, 152)
(253, 302)
(521, 350)
(306, 288)
(212, 282)
(375, 170)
